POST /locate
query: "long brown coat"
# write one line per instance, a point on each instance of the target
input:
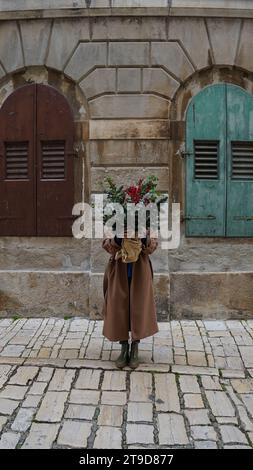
(121, 310)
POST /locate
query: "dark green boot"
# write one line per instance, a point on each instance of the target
(123, 358)
(134, 360)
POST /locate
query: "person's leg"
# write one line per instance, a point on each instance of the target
(123, 358)
(133, 359)
(129, 317)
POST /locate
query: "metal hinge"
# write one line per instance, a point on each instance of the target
(191, 217)
(243, 217)
(183, 153)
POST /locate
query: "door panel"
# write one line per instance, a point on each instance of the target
(17, 186)
(55, 186)
(36, 163)
(205, 164)
(240, 162)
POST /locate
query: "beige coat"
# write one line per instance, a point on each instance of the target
(119, 308)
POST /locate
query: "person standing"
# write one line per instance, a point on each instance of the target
(129, 304)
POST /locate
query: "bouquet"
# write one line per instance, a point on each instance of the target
(142, 193)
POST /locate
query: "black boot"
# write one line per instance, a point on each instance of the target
(122, 360)
(134, 360)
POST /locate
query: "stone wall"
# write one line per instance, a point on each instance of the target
(129, 70)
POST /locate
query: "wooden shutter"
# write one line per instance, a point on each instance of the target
(206, 160)
(55, 175)
(242, 160)
(205, 163)
(17, 185)
(239, 162)
(36, 163)
(53, 160)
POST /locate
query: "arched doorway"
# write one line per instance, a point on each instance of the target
(36, 163)
(219, 164)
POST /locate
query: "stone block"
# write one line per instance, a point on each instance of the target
(231, 434)
(80, 412)
(52, 407)
(7, 406)
(129, 79)
(167, 398)
(129, 129)
(192, 32)
(23, 419)
(41, 293)
(171, 56)
(35, 37)
(138, 152)
(120, 28)
(140, 387)
(9, 440)
(172, 429)
(220, 403)
(161, 284)
(128, 175)
(139, 434)
(140, 412)
(24, 375)
(108, 437)
(66, 34)
(211, 295)
(113, 398)
(84, 397)
(74, 434)
(158, 81)
(129, 106)
(41, 436)
(139, 3)
(86, 57)
(244, 57)
(110, 415)
(128, 53)
(96, 295)
(224, 31)
(47, 253)
(197, 417)
(203, 433)
(10, 46)
(99, 81)
(62, 380)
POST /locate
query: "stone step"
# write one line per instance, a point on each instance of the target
(178, 295)
(41, 293)
(223, 295)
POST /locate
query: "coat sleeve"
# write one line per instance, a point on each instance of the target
(151, 245)
(110, 245)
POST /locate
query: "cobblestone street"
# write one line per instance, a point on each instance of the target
(59, 386)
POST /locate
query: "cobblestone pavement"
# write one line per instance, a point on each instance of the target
(59, 386)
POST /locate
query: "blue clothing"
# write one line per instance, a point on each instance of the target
(129, 269)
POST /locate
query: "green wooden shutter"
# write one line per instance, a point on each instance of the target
(219, 166)
(205, 164)
(239, 162)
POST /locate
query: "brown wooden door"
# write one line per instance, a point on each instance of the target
(17, 198)
(36, 163)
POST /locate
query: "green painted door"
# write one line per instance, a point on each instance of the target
(219, 162)
(240, 163)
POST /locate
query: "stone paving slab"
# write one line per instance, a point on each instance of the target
(193, 388)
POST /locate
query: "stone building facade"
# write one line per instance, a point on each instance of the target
(129, 70)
